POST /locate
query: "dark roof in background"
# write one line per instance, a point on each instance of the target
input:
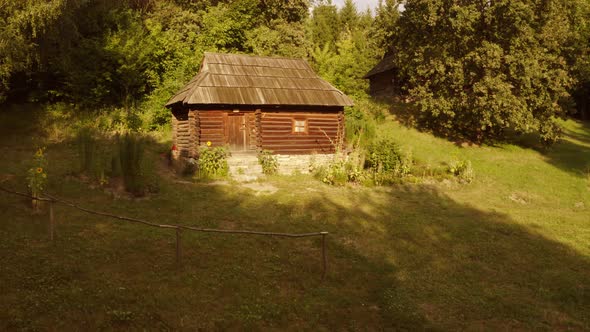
(384, 65)
(232, 79)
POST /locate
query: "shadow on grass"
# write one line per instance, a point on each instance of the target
(454, 266)
(401, 258)
(405, 113)
(412, 258)
(570, 154)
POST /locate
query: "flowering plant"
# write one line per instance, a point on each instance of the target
(37, 175)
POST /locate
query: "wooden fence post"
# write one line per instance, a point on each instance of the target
(51, 221)
(178, 247)
(324, 258)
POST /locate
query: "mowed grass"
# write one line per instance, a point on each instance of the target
(510, 251)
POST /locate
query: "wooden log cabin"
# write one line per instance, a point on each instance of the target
(381, 78)
(251, 103)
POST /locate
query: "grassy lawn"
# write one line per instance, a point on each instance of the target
(510, 251)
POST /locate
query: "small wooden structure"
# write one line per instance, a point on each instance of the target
(382, 78)
(251, 103)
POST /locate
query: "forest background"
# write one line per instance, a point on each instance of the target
(476, 69)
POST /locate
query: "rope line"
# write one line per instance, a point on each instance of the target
(54, 199)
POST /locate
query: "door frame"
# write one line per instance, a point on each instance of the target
(244, 131)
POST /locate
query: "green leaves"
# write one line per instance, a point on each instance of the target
(478, 70)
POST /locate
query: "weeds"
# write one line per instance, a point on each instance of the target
(37, 176)
(359, 126)
(131, 154)
(386, 163)
(462, 170)
(103, 157)
(86, 139)
(269, 163)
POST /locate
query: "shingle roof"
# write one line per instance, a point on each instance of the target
(232, 79)
(384, 65)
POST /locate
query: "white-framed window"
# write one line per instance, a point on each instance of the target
(299, 126)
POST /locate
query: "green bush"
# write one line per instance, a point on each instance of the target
(213, 162)
(384, 156)
(341, 170)
(463, 170)
(333, 173)
(56, 121)
(386, 163)
(269, 162)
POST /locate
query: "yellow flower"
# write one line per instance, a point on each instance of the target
(208, 143)
(39, 170)
(44, 175)
(39, 152)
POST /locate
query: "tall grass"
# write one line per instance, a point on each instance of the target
(131, 155)
(103, 157)
(86, 139)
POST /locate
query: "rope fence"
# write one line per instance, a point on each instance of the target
(179, 228)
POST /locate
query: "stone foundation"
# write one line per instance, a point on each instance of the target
(245, 167)
(290, 164)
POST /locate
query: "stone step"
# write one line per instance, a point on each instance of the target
(242, 162)
(244, 167)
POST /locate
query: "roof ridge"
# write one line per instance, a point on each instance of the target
(256, 56)
(316, 77)
(242, 65)
(268, 88)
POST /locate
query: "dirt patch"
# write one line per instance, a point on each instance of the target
(261, 188)
(519, 198)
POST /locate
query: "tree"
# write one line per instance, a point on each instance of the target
(224, 26)
(345, 63)
(479, 69)
(26, 31)
(349, 17)
(578, 55)
(324, 25)
(283, 39)
(385, 23)
(292, 11)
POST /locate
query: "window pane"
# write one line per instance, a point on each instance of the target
(299, 126)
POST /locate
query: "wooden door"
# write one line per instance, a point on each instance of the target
(236, 132)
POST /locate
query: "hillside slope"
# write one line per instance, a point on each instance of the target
(511, 250)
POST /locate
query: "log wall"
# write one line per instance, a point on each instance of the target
(324, 132)
(212, 128)
(180, 132)
(252, 130)
(194, 132)
(267, 129)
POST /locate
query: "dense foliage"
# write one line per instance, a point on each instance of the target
(480, 69)
(476, 69)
